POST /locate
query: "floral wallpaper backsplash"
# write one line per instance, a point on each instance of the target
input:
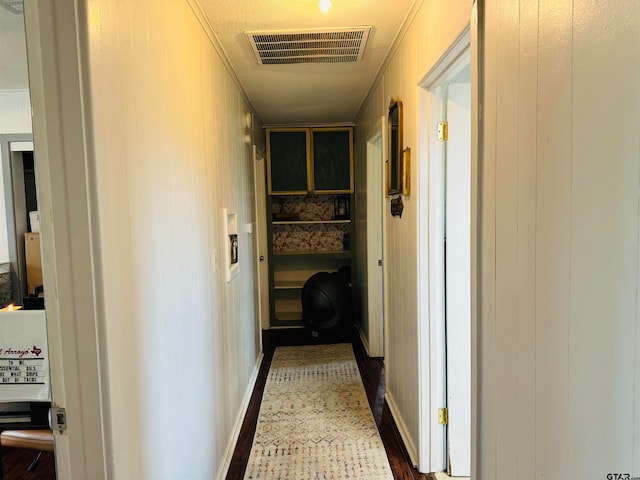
(307, 237)
(309, 207)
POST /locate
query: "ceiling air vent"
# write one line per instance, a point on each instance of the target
(286, 47)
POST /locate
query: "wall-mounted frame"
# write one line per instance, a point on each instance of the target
(394, 154)
(232, 257)
(406, 171)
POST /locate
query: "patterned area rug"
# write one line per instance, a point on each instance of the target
(315, 422)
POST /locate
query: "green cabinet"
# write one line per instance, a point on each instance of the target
(288, 160)
(332, 160)
(317, 160)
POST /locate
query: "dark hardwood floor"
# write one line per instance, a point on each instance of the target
(372, 372)
(16, 460)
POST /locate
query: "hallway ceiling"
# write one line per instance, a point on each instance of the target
(281, 94)
(305, 93)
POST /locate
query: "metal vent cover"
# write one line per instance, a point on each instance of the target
(326, 45)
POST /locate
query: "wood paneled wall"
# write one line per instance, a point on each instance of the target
(432, 29)
(182, 342)
(559, 335)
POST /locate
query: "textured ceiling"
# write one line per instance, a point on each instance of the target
(281, 94)
(308, 93)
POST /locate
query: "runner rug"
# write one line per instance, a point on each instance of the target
(315, 422)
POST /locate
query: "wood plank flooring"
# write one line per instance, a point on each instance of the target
(16, 460)
(372, 372)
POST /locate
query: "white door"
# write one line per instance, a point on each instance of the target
(458, 273)
(375, 197)
(261, 237)
(446, 270)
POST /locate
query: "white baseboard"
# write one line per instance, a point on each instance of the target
(231, 446)
(402, 428)
(363, 338)
(444, 476)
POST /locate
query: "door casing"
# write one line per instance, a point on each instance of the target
(432, 393)
(262, 258)
(375, 258)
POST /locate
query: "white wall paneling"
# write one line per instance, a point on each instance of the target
(164, 125)
(163, 178)
(559, 232)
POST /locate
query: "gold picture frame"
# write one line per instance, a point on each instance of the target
(406, 171)
(394, 150)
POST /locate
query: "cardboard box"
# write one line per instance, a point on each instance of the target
(33, 260)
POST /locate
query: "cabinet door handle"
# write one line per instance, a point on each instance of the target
(262, 258)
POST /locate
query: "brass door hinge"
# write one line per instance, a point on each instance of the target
(443, 131)
(443, 416)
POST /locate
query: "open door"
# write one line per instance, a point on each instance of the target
(457, 100)
(445, 266)
(374, 268)
(261, 236)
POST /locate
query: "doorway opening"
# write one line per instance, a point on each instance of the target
(259, 180)
(19, 233)
(25, 398)
(373, 316)
(446, 264)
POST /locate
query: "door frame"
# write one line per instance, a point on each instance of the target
(375, 232)
(431, 388)
(12, 173)
(58, 75)
(262, 266)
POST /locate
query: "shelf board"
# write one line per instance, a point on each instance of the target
(288, 316)
(289, 284)
(308, 222)
(317, 253)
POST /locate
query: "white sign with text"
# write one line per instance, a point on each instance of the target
(24, 358)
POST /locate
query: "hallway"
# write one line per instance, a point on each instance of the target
(145, 134)
(372, 372)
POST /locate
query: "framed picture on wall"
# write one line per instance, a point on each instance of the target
(232, 245)
(406, 171)
(394, 152)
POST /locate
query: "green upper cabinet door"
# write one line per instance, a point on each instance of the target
(302, 160)
(332, 160)
(288, 160)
